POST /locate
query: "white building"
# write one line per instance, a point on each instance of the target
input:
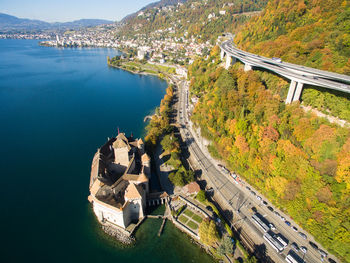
(119, 181)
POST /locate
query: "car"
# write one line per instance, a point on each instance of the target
(295, 229)
(252, 192)
(270, 208)
(254, 209)
(220, 165)
(302, 235)
(264, 202)
(287, 223)
(323, 253)
(258, 197)
(272, 226)
(225, 170)
(248, 188)
(277, 214)
(303, 249)
(209, 208)
(277, 60)
(330, 260)
(282, 218)
(313, 245)
(295, 246)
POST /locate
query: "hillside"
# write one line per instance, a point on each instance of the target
(10, 23)
(299, 161)
(203, 20)
(158, 4)
(312, 33)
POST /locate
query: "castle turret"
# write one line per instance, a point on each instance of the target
(121, 150)
(146, 162)
(143, 179)
(141, 146)
(135, 195)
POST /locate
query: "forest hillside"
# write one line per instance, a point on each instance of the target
(201, 20)
(313, 33)
(299, 161)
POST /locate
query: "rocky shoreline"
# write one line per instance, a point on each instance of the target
(117, 234)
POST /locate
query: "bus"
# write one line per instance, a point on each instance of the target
(270, 238)
(284, 241)
(259, 220)
(293, 257)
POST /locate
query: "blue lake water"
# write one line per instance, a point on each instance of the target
(57, 106)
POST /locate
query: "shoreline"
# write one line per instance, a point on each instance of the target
(170, 218)
(133, 72)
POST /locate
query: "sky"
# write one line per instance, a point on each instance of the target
(69, 10)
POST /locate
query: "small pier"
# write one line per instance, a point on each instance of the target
(148, 117)
(161, 227)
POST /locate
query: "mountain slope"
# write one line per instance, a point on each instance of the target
(315, 33)
(312, 33)
(202, 20)
(300, 162)
(12, 23)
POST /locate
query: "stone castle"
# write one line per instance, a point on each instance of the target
(119, 181)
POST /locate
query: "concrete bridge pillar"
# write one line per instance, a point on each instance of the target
(291, 91)
(228, 61)
(298, 91)
(222, 54)
(247, 67)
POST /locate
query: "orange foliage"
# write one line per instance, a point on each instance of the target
(241, 144)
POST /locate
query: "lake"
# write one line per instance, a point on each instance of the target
(57, 106)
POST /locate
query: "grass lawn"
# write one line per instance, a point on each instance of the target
(188, 213)
(183, 219)
(197, 218)
(192, 225)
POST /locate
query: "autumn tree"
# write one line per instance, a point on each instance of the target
(208, 232)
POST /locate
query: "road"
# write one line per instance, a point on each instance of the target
(238, 198)
(306, 75)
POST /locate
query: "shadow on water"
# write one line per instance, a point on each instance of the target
(155, 210)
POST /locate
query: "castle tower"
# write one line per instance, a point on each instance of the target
(121, 150)
(146, 163)
(135, 195)
(143, 179)
(141, 146)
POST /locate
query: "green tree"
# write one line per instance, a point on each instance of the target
(226, 246)
(170, 143)
(201, 196)
(208, 232)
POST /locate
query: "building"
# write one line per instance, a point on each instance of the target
(143, 52)
(119, 181)
(191, 188)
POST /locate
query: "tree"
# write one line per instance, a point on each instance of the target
(226, 246)
(181, 177)
(252, 259)
(208, 232)
(201, 196)
(170, 143)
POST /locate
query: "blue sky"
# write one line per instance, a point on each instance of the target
(69, 10)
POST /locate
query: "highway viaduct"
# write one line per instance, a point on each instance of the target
(298, 75)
